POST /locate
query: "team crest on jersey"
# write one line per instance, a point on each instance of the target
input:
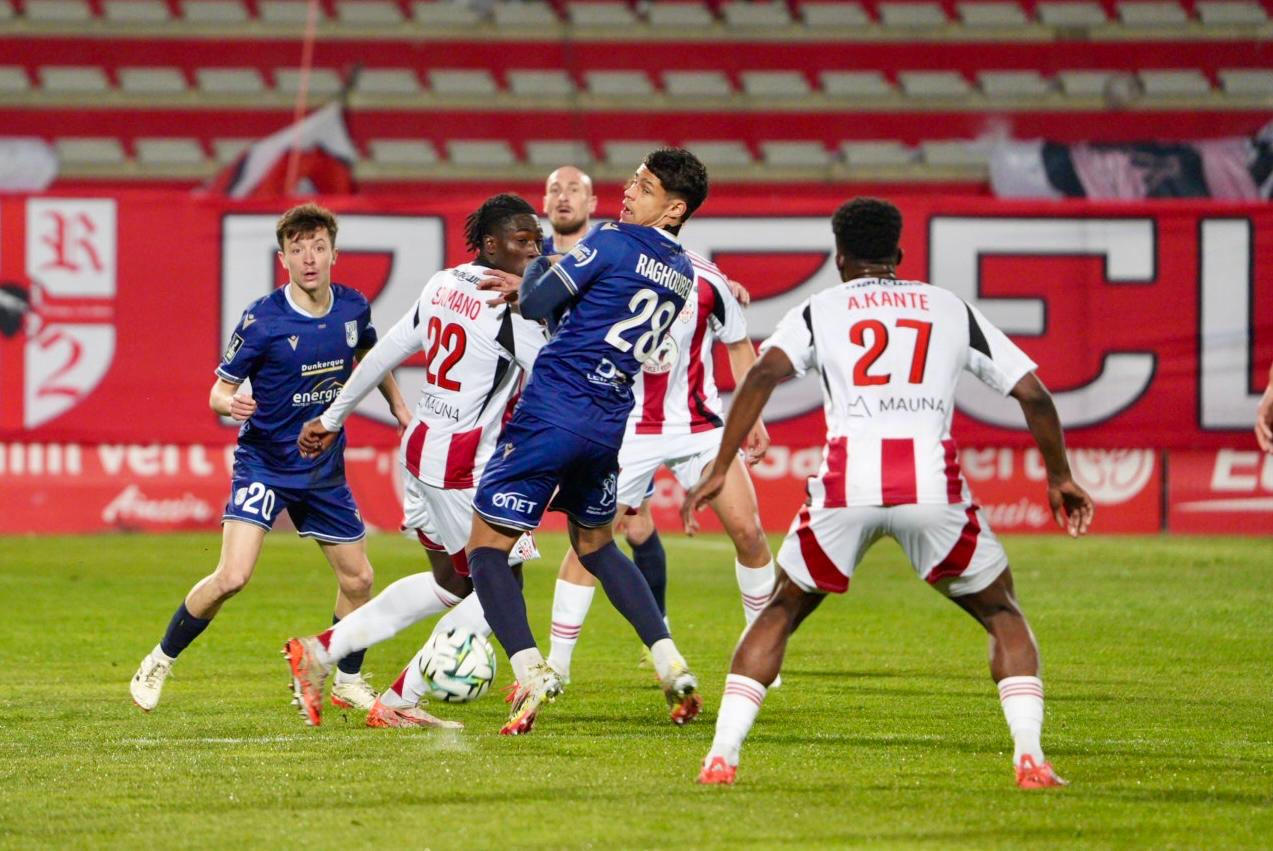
(663, 359)
(293, 340)
(236, 343)
(351, 332)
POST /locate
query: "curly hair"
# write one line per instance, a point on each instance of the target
(488, 218)
(682, 174)
(867, 229)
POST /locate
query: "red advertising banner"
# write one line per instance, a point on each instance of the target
(1152, 324)
(1227, 491)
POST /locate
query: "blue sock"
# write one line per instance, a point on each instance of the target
(182, 629)
(501, 596)
(352, 663)
(651, 560)
(627, 591)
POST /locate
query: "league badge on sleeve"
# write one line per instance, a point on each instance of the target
(351, 332)
(236, 343)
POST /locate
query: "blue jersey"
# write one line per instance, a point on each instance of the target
(628, 283)
(297, 364)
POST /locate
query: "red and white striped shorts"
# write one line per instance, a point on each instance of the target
(950, 546)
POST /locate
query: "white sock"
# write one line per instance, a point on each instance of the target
(407, 690)
(1022, 699)
(408, 601)
(158, 654)
(738, 709)
(570, 606)
(342, 677)
(665, 654)
(523, 660)
(467, 615)
(756, 584)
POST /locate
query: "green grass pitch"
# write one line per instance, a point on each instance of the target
(887, 731)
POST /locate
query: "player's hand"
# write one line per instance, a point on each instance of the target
(1264, 421)
(505, 285)
(740, 292)
(756, 445)
(315, 439)
(402, 414)
(707, 489)
(242, 406)
(1071, 507)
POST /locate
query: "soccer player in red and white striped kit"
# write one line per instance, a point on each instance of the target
(891, 352)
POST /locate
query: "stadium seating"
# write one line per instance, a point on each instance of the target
(895, 89)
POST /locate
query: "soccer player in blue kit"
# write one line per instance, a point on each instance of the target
(297, 345)
(619, 289)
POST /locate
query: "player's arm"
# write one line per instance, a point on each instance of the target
(226, 401)
(1071, 506)
(741, 357)
(749, 400)
(1264, 417)
(393, 395)
(399, 344)
(544, 290)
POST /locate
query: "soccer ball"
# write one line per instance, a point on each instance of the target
(457, 666)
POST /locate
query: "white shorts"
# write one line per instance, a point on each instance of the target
(442, 519)
(951, 547)
(686, 455)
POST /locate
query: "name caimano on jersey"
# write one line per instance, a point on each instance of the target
(297, 364)
(891, 353)
(675, 392)
(629, 282)
(475, 356)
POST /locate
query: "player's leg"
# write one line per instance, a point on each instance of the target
(757, 661)
(240, 547)
(629, 593)
(572, 597)
(753, 566)
(647, 550)
(955, 551)
(818, 556)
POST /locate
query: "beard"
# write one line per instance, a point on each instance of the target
(570, 227)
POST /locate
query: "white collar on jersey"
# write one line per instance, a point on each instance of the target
(287, 294)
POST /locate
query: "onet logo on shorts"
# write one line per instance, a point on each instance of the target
(519, 502)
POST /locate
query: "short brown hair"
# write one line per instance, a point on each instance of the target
(303, 220)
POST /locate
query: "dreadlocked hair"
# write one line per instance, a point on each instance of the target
(488, 218)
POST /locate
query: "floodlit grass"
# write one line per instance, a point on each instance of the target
(886, 732)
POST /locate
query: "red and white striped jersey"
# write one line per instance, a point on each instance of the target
(891, 353)
(475, 357)
(675, 391)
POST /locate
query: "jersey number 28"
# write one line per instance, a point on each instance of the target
(645, 307)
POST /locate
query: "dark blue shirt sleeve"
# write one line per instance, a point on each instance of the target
(544, 291)
(245, 351)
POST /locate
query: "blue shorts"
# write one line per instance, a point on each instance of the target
(532, 459)
(327, 514)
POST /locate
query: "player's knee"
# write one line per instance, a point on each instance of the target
(229, 581)
(638, 530)
(752, 545)
(357, 584)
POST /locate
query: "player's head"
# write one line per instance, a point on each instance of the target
(568, 200)
(307, 246)
(867, 234)
(666, 190)
(504, 233)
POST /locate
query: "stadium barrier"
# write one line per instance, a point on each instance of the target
(1153, 324)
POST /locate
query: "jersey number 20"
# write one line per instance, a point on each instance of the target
(645, 307)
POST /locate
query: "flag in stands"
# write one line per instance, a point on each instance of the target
(325, 160)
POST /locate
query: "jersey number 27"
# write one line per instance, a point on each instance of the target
(878, 332)
(645, 307)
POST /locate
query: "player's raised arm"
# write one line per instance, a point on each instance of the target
(749, 400)
(544, 291)
(1064, 494)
